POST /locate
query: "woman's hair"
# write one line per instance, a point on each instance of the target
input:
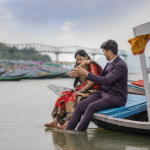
(80, 52)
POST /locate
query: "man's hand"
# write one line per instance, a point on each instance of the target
(78, 71)
(72, 75)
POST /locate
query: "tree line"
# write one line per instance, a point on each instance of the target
(25, 54)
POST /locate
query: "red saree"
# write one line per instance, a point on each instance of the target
(65, 104)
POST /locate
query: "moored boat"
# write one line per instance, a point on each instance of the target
(132, 89)
(131, 118)
(16, 78)
(40, 76)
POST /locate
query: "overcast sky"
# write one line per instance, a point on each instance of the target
(70, 22)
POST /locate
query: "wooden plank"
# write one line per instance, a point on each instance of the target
(134, 102)
(130, 112)
(137, 87)
(142, 29)
(146, 81)
(122, 122)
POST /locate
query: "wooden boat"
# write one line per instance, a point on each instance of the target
(40, 76)
(131, 118)
(56, 74)
(132, 89)
(16, 78)
(2, 72)
(66, 75)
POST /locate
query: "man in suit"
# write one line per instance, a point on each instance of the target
(114, 88)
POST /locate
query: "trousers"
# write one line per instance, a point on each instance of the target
(88, 107)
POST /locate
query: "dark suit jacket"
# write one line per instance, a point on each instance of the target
(113, 81)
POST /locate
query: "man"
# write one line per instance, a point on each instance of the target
(114, 88)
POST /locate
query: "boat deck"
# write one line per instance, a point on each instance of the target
(135, 104)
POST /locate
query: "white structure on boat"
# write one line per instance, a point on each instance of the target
(138, 31)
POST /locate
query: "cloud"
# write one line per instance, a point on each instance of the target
(67, 26)
(88, 23)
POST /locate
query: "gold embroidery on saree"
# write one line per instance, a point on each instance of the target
(70, 107)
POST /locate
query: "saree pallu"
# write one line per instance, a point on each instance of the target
(66, 103)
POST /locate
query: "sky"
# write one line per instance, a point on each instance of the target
(85, 23)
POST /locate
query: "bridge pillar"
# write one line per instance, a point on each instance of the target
(93, 56)
(11, 51)
(57, 53)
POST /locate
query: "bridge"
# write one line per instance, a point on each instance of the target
(57, 49)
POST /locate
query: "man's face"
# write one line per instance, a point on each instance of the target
(107, 54)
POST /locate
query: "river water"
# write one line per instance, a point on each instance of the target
(25, 106)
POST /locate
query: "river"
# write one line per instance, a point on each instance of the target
(26, 105)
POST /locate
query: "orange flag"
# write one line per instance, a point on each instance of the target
(138, 44)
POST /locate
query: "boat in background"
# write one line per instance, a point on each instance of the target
(15, 78)
(133, 89)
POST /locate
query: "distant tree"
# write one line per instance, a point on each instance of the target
(25, 54)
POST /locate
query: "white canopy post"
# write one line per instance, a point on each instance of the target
(138, 31)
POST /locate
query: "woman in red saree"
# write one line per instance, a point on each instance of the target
(66, 103)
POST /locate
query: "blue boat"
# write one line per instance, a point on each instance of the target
(131, 118)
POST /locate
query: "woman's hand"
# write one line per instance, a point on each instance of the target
(85, 63)
(78, 91)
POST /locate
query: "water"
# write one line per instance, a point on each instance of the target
(25, 106)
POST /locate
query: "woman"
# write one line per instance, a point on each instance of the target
(66, 103)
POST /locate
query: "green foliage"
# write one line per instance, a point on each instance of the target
(25, 54)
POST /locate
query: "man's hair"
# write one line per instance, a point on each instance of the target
(110, 45)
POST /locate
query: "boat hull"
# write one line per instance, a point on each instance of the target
(135, 91)
(124, 125)
(18, 78)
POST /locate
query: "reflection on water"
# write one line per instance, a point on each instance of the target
(25, 107)
(98, 139)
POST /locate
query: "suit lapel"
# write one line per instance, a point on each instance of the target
(104, 69)
(111, 64)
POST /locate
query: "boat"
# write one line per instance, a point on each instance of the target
(40, 76)
(132, 89)
(2, 72)
(57, 74)
(131, 118)
(16, 78)
(135, 116)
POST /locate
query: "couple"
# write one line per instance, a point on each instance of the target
(98, 90)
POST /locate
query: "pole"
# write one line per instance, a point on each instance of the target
(57, 53)
(93, 56)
